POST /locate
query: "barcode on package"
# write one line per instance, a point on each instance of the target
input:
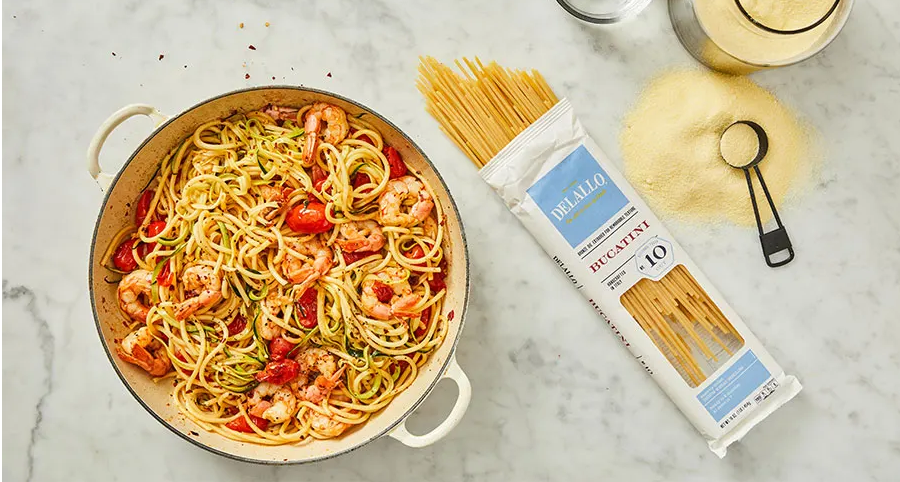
(735, 414)
(766, 391)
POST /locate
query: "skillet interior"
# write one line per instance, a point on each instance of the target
(118, 211)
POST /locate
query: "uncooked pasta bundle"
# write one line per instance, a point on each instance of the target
(536, 155)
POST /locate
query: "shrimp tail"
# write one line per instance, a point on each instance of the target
(156, 367)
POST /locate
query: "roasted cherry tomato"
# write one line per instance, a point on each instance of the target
(308, 218)
(143, 206)
(308, 308)
(279, 372)
(360, 179)
(416, 253)
(383, 292)
(398, 168)
(124, 258)
(153, 229)
(164, 278)
(436, 283)
(237, 325)
(351, 258)
(279, 348)
(242, 425)
(425, 319)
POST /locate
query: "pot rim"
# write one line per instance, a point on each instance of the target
(438, 377)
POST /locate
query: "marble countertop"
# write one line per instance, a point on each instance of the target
(555, 396)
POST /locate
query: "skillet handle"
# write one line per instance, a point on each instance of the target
(93, 154)
(455, 373)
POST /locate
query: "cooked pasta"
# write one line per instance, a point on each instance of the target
(286, 272)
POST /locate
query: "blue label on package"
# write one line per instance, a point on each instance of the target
(732, 387)
(577, 196)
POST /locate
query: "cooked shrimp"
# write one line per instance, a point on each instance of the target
(322, 387)
(275, 303)
(356, 236)
(397, 194)
(302, 272)
(326, 426)
(315, 359)
(205, 286)
(430, 227)
(336, 130)
(387, 293)
(278, 195)
(141, 349)
(279, 408)
(132, 286)
(281, 113)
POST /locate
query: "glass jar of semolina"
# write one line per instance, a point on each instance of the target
(741, 36)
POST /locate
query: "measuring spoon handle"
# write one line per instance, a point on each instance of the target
(777, 240)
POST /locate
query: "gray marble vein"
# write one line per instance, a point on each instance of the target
(555, 396)
(18, 294)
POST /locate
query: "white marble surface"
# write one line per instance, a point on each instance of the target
(555, 396)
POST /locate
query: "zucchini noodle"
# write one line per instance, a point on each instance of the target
(224, 281)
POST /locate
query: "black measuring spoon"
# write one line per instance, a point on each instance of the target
(777, 240)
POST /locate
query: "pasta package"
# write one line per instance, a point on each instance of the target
(616, 252)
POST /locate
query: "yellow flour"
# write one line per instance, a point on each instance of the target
(739, 145)
(733, 33)
(787, 14)
(671, 145)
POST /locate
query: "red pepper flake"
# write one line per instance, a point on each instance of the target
(246, 76)
(451, 315)
(273, 77)
(114, 54)
(161, 56)
(251, 47)
(328, 74)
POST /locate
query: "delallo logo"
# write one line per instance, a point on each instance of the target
(580, 196)
(577, 196)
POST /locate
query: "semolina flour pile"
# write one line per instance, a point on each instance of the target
(671, 146)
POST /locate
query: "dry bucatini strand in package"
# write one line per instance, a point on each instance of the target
(617, 253)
